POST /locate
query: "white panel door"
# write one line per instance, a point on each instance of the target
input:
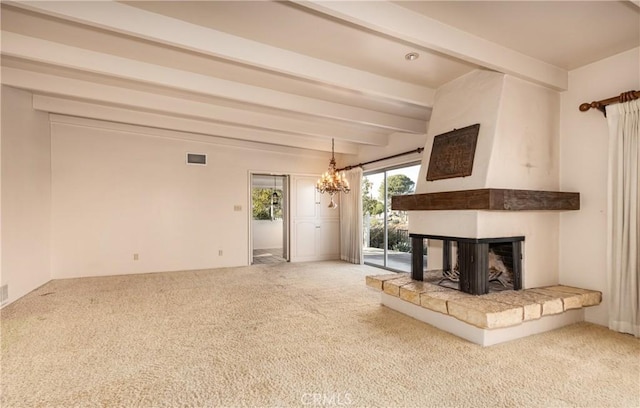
(305, 198)
(315, 230)
(328, 240)
(306, 239)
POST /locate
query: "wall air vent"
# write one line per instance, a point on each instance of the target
(197, 159)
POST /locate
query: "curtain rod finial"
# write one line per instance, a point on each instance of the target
(585, 107)
(595, 105)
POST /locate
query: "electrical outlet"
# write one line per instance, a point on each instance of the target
(220, 252)
(136, 257)
(237, 208)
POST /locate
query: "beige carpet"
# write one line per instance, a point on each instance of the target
(284, 335)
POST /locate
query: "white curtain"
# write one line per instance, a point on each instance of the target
(623, 243)
(351, 219)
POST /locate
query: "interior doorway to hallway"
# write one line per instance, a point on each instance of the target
(269, 218)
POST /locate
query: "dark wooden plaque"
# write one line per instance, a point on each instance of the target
(452, 153)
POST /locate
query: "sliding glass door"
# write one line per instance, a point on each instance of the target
(386, 231)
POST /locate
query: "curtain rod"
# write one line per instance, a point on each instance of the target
(418, 150)
(600, 105)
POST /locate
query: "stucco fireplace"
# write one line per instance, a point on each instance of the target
(504, 200)
(508, 196)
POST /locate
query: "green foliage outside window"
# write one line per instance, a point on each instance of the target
(397, 236)
(397, 228)
(265, 207)
(397, 184)
(370, 205)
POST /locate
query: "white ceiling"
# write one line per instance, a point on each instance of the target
(292, 74)
(567, 34)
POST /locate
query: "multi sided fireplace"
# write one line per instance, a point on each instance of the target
(490, 169)
(471, 265)
(478, 262)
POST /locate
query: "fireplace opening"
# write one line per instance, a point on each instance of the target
(500, 269)
(475, 266)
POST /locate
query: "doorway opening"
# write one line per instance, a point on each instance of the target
(269, 218)
(386, 232)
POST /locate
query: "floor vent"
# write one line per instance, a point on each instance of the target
(4, 294)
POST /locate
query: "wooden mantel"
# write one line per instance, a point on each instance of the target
(493, 199)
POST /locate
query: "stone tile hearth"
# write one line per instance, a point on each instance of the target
(491, 311)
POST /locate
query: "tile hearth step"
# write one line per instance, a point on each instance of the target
(485, 313)
(494, 310)
(534, 305)
(413, 291)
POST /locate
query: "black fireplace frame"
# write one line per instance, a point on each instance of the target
(473, 260)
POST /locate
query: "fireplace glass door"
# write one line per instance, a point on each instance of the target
(386, 232)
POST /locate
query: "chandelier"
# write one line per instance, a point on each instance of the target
(331, 181)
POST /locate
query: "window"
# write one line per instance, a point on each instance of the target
(267, 203)
(386, 231)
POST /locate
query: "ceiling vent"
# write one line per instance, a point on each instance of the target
(197, 159)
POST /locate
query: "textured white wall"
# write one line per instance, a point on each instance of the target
(26, 194)
(583, 168)
(123, 190)
(518, 139)
(526, 145)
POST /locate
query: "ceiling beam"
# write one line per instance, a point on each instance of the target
(57, 85)
(140, 23)
(90, 110)
(398, 22)
(38, 50)
(55, 118)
